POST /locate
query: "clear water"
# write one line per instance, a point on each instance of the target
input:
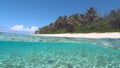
(23, 51)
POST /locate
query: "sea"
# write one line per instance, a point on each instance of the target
(28, 51)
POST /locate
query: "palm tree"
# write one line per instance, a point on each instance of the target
(92, 15)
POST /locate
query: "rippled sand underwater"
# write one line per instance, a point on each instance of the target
(23, 51)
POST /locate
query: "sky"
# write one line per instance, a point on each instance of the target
(29, 15)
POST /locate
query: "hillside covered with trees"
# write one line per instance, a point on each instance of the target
(91, 21)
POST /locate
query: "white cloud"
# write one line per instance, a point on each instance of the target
(22, 28)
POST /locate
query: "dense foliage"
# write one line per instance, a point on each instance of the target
(90, 21)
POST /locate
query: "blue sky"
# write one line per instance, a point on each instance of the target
(38, 13)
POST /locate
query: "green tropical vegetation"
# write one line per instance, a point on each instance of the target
(91, 21)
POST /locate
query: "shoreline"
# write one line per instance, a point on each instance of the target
(84, 35)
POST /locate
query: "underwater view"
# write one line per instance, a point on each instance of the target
(59, 33)
(27, 51)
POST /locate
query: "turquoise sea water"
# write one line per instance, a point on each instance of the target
(25, 51)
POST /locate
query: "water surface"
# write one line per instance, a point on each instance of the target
(25, 51)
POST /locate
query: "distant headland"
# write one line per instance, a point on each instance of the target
(91, 21)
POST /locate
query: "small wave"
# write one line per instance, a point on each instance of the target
(106, 42)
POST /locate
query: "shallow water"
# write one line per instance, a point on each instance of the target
(23, 51)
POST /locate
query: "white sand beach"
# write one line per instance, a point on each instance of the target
(84, 35)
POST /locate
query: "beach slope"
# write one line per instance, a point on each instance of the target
(84, 35)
